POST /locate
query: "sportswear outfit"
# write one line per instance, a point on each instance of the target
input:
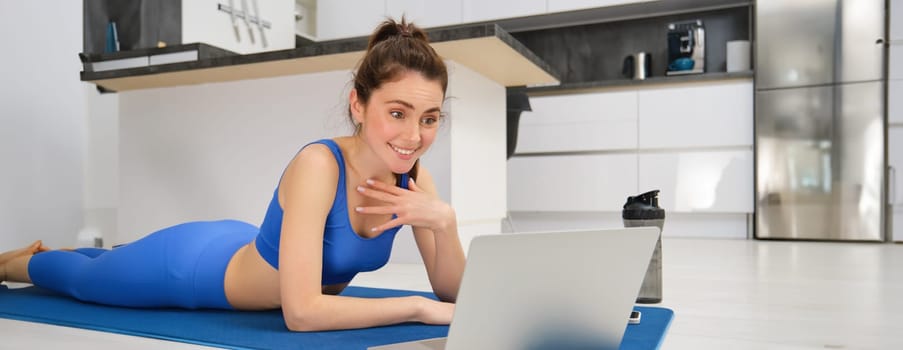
(185, 265)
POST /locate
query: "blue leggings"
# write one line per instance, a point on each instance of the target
(180, 266)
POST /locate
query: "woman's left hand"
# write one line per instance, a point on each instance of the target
(413, 206)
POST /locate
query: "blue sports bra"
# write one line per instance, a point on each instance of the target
(345, 253)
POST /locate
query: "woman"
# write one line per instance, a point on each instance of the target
(334, 213)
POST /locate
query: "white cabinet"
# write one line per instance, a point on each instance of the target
(697, 116)
(571, 183)
(705, 181)
(895, 160)
(584, 122)
(570, 5)
(306, 19)
(895, 119)
(897, 224)
(894, 191)
(896, 20)
(203, 22)
(335, 21)
(690, 182)
(426, 14)
(895, 101)
(691, 141)
(482, 10)
(896, 61)
(348, 18)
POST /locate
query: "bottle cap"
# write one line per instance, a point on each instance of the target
(643, 207)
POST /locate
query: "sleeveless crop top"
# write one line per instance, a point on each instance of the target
(345, 253)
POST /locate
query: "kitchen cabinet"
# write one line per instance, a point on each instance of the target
(426, 14)
(895, 160)
(691, 141)
(895, 83)
(897, 225)
(894, 191)
(348, 18)
(710, 115)
(584, 122)
(895, 121)
(896, 61)
(581, 154)
(700, 182)
(481, 10)
(571, 183)
(306, 19)
(896, 20)
(895, 102)
(202, 22)
(571, 5)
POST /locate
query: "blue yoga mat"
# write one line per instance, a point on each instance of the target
(254, 330)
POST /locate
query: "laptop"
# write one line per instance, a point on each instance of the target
(549, 290)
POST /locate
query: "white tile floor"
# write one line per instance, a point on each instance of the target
(726, 294)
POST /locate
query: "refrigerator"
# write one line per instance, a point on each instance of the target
(820, 87)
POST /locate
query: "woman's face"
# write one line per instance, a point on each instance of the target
(401, 119)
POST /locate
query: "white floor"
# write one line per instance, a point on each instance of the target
(726, 294)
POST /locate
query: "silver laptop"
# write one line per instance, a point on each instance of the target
(550, 290)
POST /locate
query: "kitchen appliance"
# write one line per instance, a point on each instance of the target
(738, 56)
(643, 210)
(517, 101)
(686, 48)
(819, 119)
(637, 66)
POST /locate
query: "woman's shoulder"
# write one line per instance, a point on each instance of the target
(315, 150)
(314, 154)
(316, 160)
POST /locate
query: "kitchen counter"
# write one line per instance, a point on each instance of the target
(593, 86)
(485, 48)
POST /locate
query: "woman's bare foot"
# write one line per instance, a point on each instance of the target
(32, 249)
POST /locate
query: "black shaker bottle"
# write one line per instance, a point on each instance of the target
(643, 210)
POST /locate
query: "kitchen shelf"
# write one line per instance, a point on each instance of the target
(594, 86)
(485, 48)
(151, 57)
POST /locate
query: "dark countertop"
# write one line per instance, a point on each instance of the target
(333, 47)
(204, 51)
(584, 87)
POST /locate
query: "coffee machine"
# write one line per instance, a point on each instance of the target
(686, 48)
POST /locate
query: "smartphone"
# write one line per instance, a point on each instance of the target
(634, 317)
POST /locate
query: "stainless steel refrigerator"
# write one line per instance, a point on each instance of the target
(819, 119)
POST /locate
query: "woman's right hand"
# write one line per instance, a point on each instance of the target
(434, 312)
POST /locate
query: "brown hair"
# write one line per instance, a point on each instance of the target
(394, 48)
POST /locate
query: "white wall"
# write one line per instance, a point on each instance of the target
(478, 172)
(214, 151)
(42, 123)
(101, 162)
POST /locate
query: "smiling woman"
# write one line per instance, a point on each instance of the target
(334, 213)
(394, 53)
(401, 114)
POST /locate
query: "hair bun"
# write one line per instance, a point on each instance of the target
(392, 29)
